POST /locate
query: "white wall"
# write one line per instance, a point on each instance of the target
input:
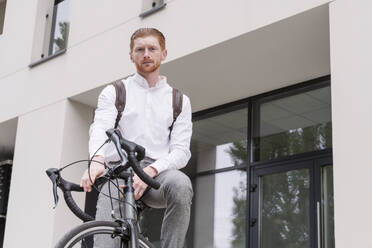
(98, 43)
(351, 53)
(44, 140)
(16, 39)
(78, 118)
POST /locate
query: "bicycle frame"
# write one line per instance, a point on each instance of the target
(130, 216)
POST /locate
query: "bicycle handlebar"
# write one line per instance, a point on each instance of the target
(67, 187)
(135, 154)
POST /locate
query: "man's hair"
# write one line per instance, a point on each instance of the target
(144, 32)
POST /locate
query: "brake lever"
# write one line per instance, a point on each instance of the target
(53, 175)
(114, 163)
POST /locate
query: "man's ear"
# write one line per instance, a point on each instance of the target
(130, 56)
(164, 54)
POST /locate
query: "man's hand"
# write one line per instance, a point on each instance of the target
(96, 170)
(139, 185)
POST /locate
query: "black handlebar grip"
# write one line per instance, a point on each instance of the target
(75, 208)
(73, 187)
(140, 152)
(67, 187)
(146, 178)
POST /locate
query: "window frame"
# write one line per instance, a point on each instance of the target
(47, 47)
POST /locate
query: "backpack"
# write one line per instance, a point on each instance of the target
(120, 101)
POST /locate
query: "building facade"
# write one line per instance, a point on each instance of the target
(281, 113)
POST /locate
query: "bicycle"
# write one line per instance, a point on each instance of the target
(125, 231)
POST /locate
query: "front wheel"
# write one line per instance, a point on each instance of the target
(97, 234)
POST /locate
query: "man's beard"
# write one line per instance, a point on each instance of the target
(148, 69)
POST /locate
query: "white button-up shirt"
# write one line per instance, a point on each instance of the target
(146, 119)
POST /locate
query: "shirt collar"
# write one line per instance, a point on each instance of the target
(143, 82)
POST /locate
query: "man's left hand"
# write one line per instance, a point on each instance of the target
(138, 185)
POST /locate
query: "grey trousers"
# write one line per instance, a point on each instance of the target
(175, 195)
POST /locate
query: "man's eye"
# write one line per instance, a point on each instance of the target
(153, 48)
(139, 49)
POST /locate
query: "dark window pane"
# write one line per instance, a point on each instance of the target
(285, 210)
(292, 125)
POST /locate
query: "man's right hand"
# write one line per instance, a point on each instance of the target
(96, 170)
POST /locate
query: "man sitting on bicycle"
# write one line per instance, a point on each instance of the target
(146, 120)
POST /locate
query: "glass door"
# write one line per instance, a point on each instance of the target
(292, 205)
(282, 206)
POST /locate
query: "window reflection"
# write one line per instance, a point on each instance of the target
(285, 209)
(294, 124)
(60, 27)
(220, 203)
(215, 139)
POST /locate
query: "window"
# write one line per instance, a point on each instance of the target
(216, 139)
(57, 28)
(2, 14)
(292, 123)
(51, 30)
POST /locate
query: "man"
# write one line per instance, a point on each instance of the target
(146, 119)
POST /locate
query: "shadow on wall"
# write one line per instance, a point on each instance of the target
(6, 153)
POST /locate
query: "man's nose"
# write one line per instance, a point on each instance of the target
(147, 53)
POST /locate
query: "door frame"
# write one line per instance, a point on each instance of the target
(314, 163)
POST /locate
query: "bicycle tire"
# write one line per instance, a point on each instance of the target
(83, 235)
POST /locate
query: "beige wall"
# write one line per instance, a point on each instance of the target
(351, 52)
(100, 33)
(44, 140)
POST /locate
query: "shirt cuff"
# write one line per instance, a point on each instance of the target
(160, 165)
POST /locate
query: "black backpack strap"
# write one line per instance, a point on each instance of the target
(177, 106)
(120, 99)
